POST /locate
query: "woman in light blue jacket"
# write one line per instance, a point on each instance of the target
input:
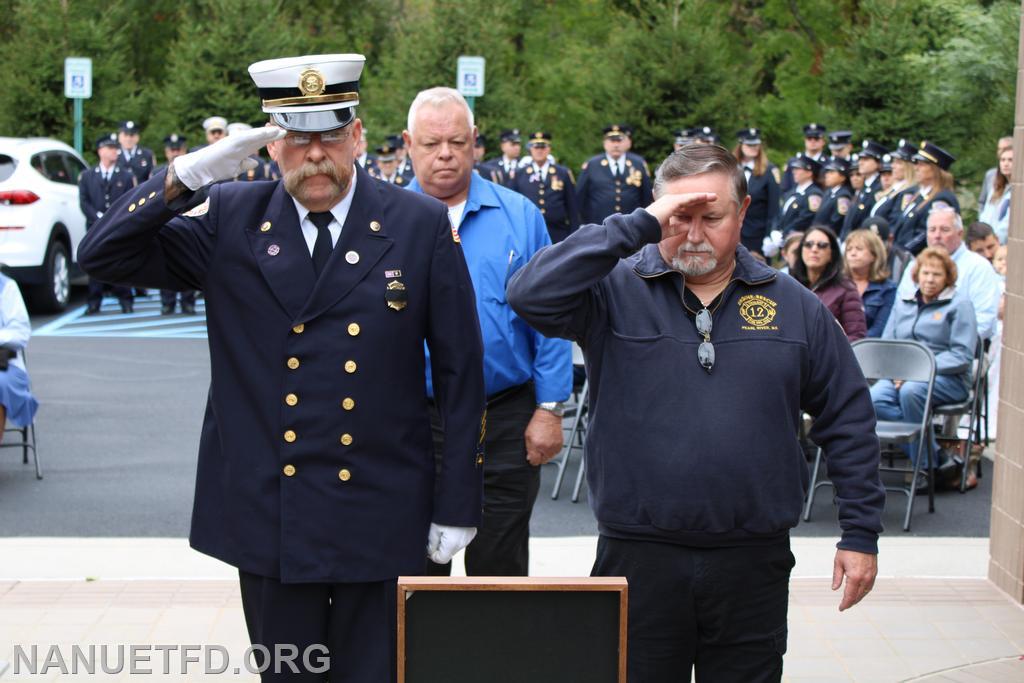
(943, 320)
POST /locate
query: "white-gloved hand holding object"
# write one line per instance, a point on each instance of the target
(772, 244)
(444, 541)
(224, 159)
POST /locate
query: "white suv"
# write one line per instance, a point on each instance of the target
(41, 223)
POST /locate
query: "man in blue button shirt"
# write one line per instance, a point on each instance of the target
(526, 375)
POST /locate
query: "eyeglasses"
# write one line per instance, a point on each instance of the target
(819, 245)
(328, 139)
(706, 350)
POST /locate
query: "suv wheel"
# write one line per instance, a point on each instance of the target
(52, 296)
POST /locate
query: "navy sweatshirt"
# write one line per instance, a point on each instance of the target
(680, 455)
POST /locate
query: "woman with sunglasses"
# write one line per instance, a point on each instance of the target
(820, 269)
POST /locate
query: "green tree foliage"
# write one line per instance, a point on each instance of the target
(939, 69)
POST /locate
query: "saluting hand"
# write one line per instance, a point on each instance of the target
(224, 159)
(670, 205)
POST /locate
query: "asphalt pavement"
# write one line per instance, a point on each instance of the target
(118, 431)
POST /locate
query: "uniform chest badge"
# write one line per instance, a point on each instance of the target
(396, 296)
(635, 178)
(758, 311)
(813, 202)
(556, 184)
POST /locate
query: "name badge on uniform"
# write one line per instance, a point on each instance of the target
(396, 296)
(556, 184)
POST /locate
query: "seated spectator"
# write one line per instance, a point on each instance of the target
(17, 404)
(820, 269)
(939, 316)
(898, 257)
(865, 259)
(977, 279)
(982, 240)
(791, 250)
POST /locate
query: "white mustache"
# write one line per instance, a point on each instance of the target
(690, 246)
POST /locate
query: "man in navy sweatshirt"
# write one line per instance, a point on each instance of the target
(700, 361)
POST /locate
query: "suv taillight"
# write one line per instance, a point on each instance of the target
(8, 197)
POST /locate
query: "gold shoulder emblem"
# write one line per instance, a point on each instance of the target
(199, 210)
(759, 311)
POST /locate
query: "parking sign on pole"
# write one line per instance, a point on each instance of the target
(78, 87)
(469, 78)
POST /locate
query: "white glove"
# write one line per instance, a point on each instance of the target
(444, 541)
(772, 244)
(226, 158)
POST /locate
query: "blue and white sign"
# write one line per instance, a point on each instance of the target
(470, 78)
(78, 77)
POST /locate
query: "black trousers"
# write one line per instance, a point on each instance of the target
(355, 623)
(720, 611)
(97, 289)
(502, 543)
(169, 297)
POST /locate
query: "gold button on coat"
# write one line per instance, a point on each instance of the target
(299, 329)
(348, 404)
(346, 439)
(131, 207)
(142, 200)
(353, 329)
(344, 475)
(152, 194)
(289, 470)
(265, 227)
(289, 436)
(350, 366)
(375, 226)
(291, 399)
(293, 363)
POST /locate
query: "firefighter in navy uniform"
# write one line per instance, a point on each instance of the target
(840, 144)
(174, 147)
(611, 182)
(868, 163)
(386, 167)
(316, 469)
(934, 186)
(214, 127)
(138, 160)
(488, 169)
(257, 171)
(550, 186)
(814, 147)
(804, 200)
(404, 164)
(98, 188)
(835, 202)
(508, 162)
(762, 187)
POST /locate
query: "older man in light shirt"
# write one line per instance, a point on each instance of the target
(975, 275)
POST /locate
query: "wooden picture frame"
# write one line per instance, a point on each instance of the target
(577, 623)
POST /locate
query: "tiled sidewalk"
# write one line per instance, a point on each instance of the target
(908, 629)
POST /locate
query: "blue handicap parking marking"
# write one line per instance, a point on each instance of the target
(145, 321)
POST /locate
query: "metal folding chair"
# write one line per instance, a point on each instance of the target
(28, 437)
(908, 361)
(951, 413)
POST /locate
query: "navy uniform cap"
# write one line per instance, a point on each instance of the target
(840, 138)
(836, 164)
(510, 135)
(616, 130)
(814, 130)
(539, 138)
(108, 140)
(481, 140)
(174, 141)
(396, 141)
(885, 163)
(870, 148)
(904, 150)
(129, 127)
(308, 94)
(386, 152)
(805, 162)
(749, 136)
(934, 154)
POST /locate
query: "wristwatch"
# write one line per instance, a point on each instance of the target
(556, 407)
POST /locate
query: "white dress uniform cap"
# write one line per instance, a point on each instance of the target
(311, 93)
(215, 123)
(238, 127)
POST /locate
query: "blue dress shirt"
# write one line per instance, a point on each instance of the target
(500, 231)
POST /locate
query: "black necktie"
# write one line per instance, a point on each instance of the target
(322, 247)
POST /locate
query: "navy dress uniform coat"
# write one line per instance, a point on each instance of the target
(910, 230)
(798, 209)
(600, 194)
(835, 207)
(763, 213)
(140, 164)
(96, 196)
(860, 207)
(316, 458)
(554, 193)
